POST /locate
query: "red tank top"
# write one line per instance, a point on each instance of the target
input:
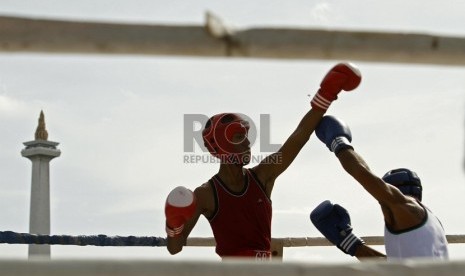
(241, 223)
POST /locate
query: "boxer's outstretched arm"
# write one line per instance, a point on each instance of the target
(337, 136)
(343, 76)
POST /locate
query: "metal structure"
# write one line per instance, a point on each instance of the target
(214, 39)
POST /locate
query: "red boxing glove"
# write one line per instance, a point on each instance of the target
(343, 76)
(180, 206)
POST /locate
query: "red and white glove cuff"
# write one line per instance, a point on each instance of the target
(174, 232)
(320, 102)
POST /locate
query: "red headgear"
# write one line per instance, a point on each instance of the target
(219, 131)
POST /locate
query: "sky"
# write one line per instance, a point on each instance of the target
(120, 122)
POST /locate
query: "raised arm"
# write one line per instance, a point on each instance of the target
(353, 163)
(343, 76)
(337, 137)
(400, 211)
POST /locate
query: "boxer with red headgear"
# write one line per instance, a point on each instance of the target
(411, 229)
(237, 201)
(218, 136)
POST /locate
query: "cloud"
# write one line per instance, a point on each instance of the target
(9, 105)
(321, 12)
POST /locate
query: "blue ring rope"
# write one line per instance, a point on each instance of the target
(11, 237)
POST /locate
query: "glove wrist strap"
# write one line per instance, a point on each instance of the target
(320, 102)
(174, 232)
(350, 243)
(340, 143)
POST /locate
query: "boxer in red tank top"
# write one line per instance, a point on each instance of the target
(241, 222)
(236, 201)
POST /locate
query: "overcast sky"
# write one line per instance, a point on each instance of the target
(120, 123)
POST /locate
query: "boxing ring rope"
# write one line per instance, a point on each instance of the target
(278, 244)
(10, 237)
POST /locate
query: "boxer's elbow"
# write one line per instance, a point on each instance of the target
(173, 250)
(175, 245)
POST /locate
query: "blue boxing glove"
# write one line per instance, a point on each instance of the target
(333, 221)
(334, 133)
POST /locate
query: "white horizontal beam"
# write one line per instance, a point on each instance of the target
(234, 267)
(215, 40)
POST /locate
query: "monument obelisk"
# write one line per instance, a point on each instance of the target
(40, 152)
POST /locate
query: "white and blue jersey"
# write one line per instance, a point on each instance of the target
(427, 240)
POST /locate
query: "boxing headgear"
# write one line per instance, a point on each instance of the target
(406, 181)
(219, 131)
